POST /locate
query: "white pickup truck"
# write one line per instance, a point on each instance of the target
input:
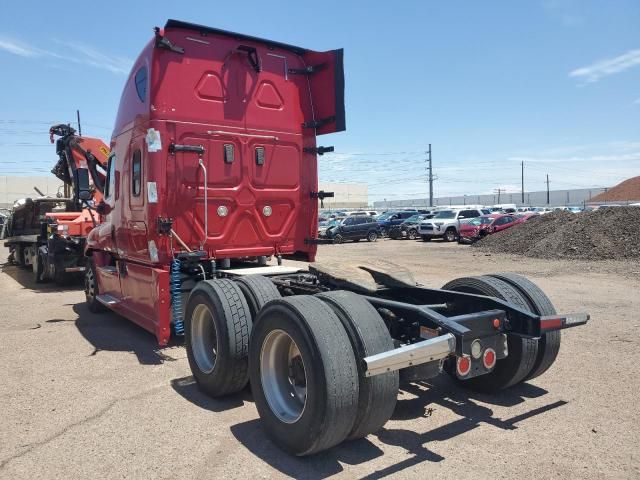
(445, 224)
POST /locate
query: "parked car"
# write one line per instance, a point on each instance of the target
(358, 213)
(324, 225)
(523, 217)
(409, 228)
(479, 227)
(445, 224)
(391, 219)
(354, 228)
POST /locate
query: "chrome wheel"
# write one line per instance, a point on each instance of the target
(204, 339)
(283, 376)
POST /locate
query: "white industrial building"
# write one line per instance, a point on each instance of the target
(13, 187)
(347, 195)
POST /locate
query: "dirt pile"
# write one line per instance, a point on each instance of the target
(603, 234)
(625, 191)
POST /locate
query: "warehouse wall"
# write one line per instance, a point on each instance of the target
(13, 188)
(556, 198)
(347, 195)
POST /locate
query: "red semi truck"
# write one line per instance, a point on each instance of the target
(213, 169)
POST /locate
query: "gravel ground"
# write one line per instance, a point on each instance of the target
(610, 233)
(90, 396)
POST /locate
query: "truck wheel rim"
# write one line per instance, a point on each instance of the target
(89, 285)
(283, 376)
(204, 340)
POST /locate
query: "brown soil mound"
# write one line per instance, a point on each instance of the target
(608, 233)
(624, 191)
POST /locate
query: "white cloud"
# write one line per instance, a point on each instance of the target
(73, 53)
(610, 66)
(17, 48)
(94, 58)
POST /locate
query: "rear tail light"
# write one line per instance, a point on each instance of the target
(489, 358)
(463, 366)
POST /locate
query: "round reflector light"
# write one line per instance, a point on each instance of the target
(476, 349)
(222, 211)
(489, 358)
(463, 366)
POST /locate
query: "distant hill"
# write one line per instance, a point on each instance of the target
(624, 191)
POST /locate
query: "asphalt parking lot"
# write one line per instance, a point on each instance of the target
(91, 396)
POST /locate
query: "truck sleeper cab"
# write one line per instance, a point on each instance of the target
(213, 155)
(213, 161)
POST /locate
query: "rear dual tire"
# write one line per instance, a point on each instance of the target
(368, 335)
(217, 327)
(330, 333)
(539, 303)
(304, 376)
(522, 352)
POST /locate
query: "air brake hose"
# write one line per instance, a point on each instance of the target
(175, 287)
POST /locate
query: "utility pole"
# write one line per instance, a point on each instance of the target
(79, 127)
(430, 177)
(498, 191)
(547, 189)
(522, 164)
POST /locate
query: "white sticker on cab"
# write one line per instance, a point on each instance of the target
(153, 251)
(152, 192)
(154, 142)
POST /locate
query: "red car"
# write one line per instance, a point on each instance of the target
(478, 227)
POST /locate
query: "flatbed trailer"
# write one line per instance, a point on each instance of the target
(213, 170)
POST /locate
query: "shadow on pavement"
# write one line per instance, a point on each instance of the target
(322, 465)
(189, 390)
(111, 332)
(415, 400)
(24, 276)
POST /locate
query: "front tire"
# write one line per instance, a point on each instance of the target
(217, 328)
(372, 237)
(413, 234)
(303, 374)
(338, 239)
(450, 235)
(91, 289)
(38, 268)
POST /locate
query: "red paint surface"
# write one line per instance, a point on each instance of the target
(211, 96)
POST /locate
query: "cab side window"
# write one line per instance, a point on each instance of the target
(110, 183)
(136, 173)
(141, 83)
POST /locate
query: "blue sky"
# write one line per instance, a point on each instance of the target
(553, 83)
